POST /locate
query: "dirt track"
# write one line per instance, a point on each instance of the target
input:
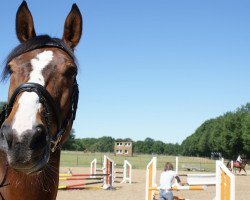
(136, 190)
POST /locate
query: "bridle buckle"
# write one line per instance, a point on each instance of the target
(55, 143)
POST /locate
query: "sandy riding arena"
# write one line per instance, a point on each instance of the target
(136, 190)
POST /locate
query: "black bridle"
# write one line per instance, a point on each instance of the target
(51, 107)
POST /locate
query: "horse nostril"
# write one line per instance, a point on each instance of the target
(38, 139)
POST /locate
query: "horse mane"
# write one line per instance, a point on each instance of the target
(37, 42)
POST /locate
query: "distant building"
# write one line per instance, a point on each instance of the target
(123, 148)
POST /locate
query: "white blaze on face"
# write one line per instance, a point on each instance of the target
(29, 104)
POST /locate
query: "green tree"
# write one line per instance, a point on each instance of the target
(148, 146)
(138, 147)
(228, 134)
(246, 134)
(70, 142)
(172, 149)
(158, 147)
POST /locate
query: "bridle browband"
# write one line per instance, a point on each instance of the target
(51, 107)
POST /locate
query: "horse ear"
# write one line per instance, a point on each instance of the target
(73, 27)
(24, 23)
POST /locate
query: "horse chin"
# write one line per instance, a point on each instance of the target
(33, 166)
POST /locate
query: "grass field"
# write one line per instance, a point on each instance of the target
(73, 159)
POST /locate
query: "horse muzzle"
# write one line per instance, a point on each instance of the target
(27, 152)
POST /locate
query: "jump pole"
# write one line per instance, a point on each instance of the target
(201, 179)
(151, 186)
(186, 187)
(78, 185)
(70, 175)
(107, 180)
(78, 178)
(197, 179)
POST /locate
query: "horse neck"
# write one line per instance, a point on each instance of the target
(243, 163)
(40, 186)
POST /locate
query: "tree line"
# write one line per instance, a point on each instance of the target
(228, 134)
(106, 144)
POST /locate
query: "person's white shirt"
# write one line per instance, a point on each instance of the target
(166, 179)
(239, 159)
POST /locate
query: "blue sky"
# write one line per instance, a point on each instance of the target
(149, 68)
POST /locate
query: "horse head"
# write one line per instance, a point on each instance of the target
(228, 165)
(43, 92)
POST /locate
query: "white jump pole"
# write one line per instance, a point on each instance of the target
(93, 167)
(176, 164)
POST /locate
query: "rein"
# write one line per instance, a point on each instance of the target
(50, 106)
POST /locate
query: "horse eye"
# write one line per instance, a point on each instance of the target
(71, 72)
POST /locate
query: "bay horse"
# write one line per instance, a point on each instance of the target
(236, 166)
(41, 108)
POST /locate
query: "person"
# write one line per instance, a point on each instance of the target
(239, 160)
(166, 179)
(69, 171)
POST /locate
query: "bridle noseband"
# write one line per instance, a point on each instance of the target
(51, 108)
